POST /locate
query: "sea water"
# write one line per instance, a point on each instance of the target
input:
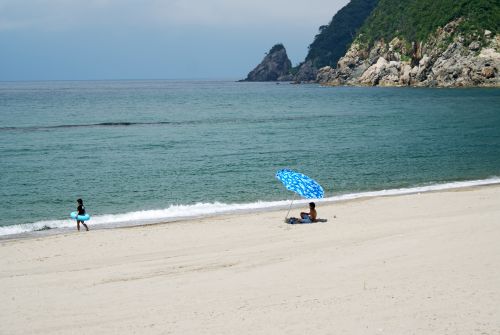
(151, 151)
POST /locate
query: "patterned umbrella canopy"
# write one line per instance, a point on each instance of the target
(300, 184)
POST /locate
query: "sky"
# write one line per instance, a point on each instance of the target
(152, 39)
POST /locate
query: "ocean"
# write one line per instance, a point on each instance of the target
(152, 151)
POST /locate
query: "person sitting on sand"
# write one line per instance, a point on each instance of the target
(311, 216)
(81, 211)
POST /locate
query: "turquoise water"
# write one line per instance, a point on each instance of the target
(139, 146)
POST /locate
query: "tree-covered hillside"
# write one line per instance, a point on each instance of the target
(414, 20)
(332, 41)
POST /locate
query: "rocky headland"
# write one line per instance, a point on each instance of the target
(423, 43)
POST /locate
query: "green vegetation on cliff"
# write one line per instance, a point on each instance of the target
(415, 20)
(332, 41)
(277, 47)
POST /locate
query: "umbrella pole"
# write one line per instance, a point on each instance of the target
(289, 208)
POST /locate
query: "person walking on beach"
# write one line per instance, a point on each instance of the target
(81, 211)
(311, 216)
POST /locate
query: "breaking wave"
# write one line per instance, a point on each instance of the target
(179, 212)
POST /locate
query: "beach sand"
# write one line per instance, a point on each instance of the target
(413, 264)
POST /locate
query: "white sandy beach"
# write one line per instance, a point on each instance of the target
(413, 264)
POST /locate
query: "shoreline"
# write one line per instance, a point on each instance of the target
(272, 206)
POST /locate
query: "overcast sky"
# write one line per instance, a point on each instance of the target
(152, 39)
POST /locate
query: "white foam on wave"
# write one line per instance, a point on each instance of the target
(417, 189)
(177, 212)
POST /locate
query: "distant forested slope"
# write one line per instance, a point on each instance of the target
(333, 39)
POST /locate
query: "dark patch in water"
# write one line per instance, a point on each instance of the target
(156, 123)
(43, 228)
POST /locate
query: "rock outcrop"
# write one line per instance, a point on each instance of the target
(306, 72)
(447, 59)
(274, 67)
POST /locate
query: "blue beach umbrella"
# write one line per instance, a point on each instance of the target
(301, 184)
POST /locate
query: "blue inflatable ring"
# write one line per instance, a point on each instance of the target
(79, 217)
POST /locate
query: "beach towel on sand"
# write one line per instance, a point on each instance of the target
(293, 220)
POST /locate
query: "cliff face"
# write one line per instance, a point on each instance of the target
(274, 67)
(448, 58)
